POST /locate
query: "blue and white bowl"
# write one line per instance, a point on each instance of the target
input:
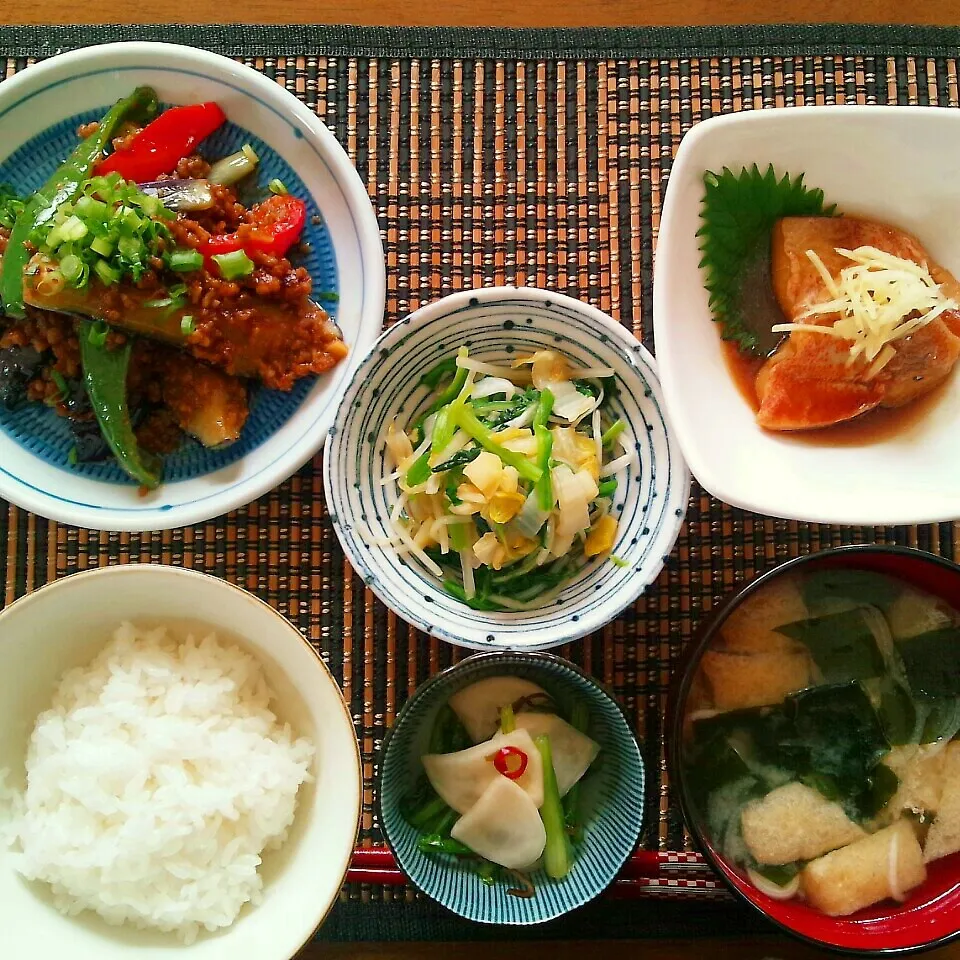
(611, 795)
(40, 110)
(498, 325)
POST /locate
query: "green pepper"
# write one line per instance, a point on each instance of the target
(105, 377)
(64, 185)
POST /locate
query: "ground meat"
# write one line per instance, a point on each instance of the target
(159, 433)
(47, 332)
(88, 129)
(193, 167)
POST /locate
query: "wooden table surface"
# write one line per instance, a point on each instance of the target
(509, 13)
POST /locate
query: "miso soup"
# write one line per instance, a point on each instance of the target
(821, 738)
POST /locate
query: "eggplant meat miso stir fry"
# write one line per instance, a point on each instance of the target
(506, 480)
(501, 783)
(140, 297)
(821, 748)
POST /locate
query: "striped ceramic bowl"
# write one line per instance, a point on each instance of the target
(497, 325)
(612, 795)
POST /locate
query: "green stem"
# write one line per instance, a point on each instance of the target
(105, 377)
(468, 422)
(556, 855)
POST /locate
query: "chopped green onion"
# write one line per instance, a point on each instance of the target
(277, 186)
(61, 384)
(98, 333)
(102, 246)
(618, 561)
(612, 432)
(91, 209)
(73, 457)
(508, 721)
(185, 260)
(107, 273)
(73, 269)
(419, 471)
(187, 325)
(328, 296)
(131, 248)
(607, 488)
(234, 265)
(73, 228)
(250, 153)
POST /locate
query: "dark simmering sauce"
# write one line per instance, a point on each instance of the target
(873, 427)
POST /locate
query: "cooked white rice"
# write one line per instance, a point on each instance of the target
(154, 782)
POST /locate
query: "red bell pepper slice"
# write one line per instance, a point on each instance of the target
(163, 143)
(275, 226)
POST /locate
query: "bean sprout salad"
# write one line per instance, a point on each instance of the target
(505, 480)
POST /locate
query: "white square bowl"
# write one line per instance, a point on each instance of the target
(895, 164)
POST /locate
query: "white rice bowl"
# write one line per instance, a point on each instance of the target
(155, 781)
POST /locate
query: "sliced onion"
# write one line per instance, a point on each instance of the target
(232, 169)
(490, 386)
(771, 889)
(180, 194)
(593, 373)
(615, 466)
(492, 370)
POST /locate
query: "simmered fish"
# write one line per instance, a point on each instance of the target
(811, 380)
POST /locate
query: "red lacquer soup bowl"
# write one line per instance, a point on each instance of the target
(930, 915)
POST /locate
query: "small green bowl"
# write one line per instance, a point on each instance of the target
(612, 795)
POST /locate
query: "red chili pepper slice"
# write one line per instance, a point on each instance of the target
(275, 226)
(163, 143)
(511, 762)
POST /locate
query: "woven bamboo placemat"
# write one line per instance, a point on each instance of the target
(509, 157)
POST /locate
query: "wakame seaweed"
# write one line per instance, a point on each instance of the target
(839, 734)
(930, 663)
(842, 645)
(823, 588)
(828, 737)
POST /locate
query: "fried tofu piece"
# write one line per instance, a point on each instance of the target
(808, 383)
(920, 770)
(944, 835)
(751, 627)
(754, 679)
(886, 864)
(795, 822)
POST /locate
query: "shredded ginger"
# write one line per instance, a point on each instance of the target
(880, 298)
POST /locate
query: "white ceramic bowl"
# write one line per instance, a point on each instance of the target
(281, 435)
(895, 164)
(64, 625)
(498, 324)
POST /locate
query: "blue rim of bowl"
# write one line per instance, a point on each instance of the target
(680, 689)
(628, 345)
(321, 142)
(532, 657)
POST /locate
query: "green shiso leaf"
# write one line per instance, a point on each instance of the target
(737, 217)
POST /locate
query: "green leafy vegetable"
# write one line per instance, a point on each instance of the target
(459, 459)
(738, 215)
(842, 644)
(930, 663)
